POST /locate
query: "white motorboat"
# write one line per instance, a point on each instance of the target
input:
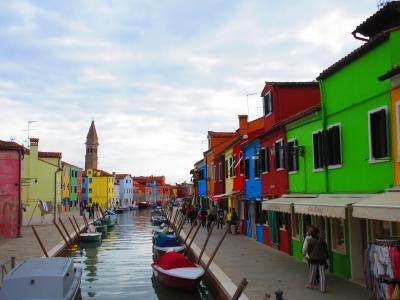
(55, 278)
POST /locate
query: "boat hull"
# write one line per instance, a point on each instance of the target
(90, 238)
(187, 285)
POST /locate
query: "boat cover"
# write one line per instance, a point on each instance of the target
(174, 260)
(166, 241)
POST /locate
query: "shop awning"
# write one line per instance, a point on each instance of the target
(218, 198)
(327, 205)
(384, 207)
(282, 204)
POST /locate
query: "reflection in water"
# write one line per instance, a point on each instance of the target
(119, 268)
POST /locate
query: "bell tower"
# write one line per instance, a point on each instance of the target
(92, 144)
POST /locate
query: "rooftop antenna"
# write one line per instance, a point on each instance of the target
(247, 98)
(29, 129)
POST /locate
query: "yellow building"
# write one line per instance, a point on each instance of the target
(229, 175)
(100, 187)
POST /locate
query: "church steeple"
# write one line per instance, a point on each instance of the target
(92, 144)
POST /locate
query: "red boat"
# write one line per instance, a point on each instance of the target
(143, 204)
(175, 270)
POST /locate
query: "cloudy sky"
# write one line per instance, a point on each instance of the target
(156, 75)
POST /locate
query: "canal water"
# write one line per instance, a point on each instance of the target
(119, 267)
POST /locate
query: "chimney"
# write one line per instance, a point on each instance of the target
(34, 145)
(243, 124)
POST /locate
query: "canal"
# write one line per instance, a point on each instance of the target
(119, 268)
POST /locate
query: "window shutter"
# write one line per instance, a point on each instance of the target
(267, 159)
(262, 153)
(335, 145)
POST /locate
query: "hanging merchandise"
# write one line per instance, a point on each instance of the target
(384, 267)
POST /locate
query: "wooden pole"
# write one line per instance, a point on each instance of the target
(64, 238)
(194, 236)
(73, 226)
(40, 241)
(216, 250)
(190, 230)
(205, 243)
(66, 231)
(175, 218)
(180, 227)
(76, 222)
(240, 289)
(86, 221)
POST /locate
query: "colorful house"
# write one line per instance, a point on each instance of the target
(10, 189)
(201, 168)
(71, 186)
(281, 101)
(100, 187)
(41, 188)
(125, 196)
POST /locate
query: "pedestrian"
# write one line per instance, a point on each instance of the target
(318, 253)
(309, 230)
(233, 222)
(203, 215)
(187, 213)
(90, 209)
(192, 215)
(210, 219)
(220, 218)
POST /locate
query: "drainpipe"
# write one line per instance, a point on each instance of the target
(55, 192)
(20, 158)
(323, 116)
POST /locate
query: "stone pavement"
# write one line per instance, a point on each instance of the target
(27, 246)
(268, 270)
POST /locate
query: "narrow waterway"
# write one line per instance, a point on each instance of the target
(120, 268)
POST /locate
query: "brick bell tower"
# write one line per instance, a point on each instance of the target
(92, 144)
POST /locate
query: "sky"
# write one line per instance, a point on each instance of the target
(155, 76)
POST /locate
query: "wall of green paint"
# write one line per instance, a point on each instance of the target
(306, 180)
(347, 96)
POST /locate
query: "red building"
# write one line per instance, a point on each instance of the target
(281, 101)
(10, 189)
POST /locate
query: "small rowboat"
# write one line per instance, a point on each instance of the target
(133, 207)
(90, 237)
(175, 270)
(144, 204)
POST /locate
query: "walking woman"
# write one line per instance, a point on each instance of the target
(318, 254)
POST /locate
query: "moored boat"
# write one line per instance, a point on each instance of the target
(133, 207)
(43, 278)
(143, 204)
(90, 237)
(160, 251)
(122, 209)
(177, 271)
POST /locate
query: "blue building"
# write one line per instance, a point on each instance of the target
(202, 181)
(252, 185)
(125, 191)
(85, 192)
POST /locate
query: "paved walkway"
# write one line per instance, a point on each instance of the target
(27, 246)
(268, 269)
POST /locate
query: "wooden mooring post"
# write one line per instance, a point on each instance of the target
(216, 250)
(175, 218)
(240, 289)
(194, 236)
(76, 222)
(205, 243)
(86, 221)
(40, 241)
(191, 229)
(181, 226)
(65, 229)
(73, 226)
(64, 238)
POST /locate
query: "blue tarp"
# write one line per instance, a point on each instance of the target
(166, 241)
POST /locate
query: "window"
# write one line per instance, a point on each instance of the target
(241, 164)
(226, 169)
(259, 213)
(292, 156)
(90, 190)
(378, 134)
(90, 180)
(381, 229)
(83, 190)
(256, 165)
(264, 160)
(278, 152)
(231, 166)
(214, 172)
(220, 171)
(247, 168)
(267, 103)
(234, 165)
(318, 150)
(338, 235)
(296, 221)
(75, 189)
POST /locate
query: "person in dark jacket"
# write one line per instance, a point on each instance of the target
(318, 254)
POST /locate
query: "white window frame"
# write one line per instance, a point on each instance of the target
(297, 171)
(337, 166)
(272, 105)
(315, 170)
(279, 141)
(371, 159)
(398, 128)
(254, 164)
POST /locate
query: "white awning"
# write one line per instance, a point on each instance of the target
(282, 204)
(326, 205)
(385, 207)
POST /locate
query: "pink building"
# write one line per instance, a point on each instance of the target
(10, 189)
